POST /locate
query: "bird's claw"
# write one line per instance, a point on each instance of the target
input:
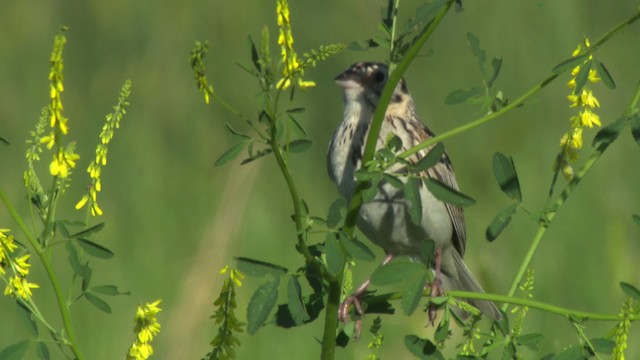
(436, 290)
(343, 312)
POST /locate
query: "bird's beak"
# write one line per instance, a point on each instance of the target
(349, 79)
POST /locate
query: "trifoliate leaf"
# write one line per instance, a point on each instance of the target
(294, 300)
(334, 218)
(500, 222)
(569, 64)
(424, 349)
(505, 173)
(262, 302)
(447, 194)
(110, 290)
(97, 302)
(430, 159)
(230, 153)
(496, 65)
(442, 331)
(259, 268)
(89, 231)
(335, 256)
(412, 193)
(94, 249)
(610, 133)
(395, 272)
(635, 127)
(356, 248)
(630, 290)
(460, 96)
(411, 297)
(393, 180)
(582, 77)
(298, 146)
(604, 74)
(15, 351)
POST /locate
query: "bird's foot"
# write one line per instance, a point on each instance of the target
(436, 290)
(343, 312)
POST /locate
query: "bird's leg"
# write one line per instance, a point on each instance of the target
(436, 286)
(343, 310)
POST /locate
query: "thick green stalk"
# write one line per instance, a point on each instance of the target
(46, 263)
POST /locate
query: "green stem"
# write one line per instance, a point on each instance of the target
(515, 301)
(519, 101)
(551, 211)
(46, 263)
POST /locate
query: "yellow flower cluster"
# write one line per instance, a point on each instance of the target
(235, 275)
(63, 160)
(571, 142)
(95, 168)
(291, 68)
(146, 327)
(17, 284)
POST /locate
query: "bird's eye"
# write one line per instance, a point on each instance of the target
(379, 77)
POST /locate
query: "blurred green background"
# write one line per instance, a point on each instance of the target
(174, 220)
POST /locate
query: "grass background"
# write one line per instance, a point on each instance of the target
(173, 219)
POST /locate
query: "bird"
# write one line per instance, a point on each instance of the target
(385, 218)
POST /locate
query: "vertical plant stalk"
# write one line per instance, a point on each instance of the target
(335, 283)
(46, 263)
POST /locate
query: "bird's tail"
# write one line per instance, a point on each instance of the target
(466, 282)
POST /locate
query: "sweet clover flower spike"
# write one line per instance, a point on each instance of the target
(112, 123)
(146, 328)
(63, 160)
(586, 103)
(16, 284)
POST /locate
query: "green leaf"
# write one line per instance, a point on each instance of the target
(27, 317)
(97, 302)
(110, 290)
(261, 303)
(572, 353)
(442, 331)
(422, 348)
(500, 222)
(296, 305)
(236, 132)
(582, 77)
(257, 155)
(300, 145)
(460, 96)
(297, 125)
(15, 351)
(43, 351)
(335, 257)
(259, 268)
(298, 110)
(448, 195)
(393, 180)
(604, 74)
(505, 172)
(569, 63)
(609, 133)
(356, 248)
(4, 141)
(94, 249)
(411, 297)
(431, 159)
(89, 231)
(603, 346)
(395, 272)
(74, 260)
(231, 153)
(530, 340)
(474, 42)
(636, 218)
(334, 218)
(635, 127)
(86, 280)
(412, 193)
(496, 65)
(630, 290)
(255, 58)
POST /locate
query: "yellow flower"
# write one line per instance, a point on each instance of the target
(21, 287)
(146, 328)
(588, 99)
(588, 118)
(593, 76)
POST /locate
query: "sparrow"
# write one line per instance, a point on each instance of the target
(385, 218)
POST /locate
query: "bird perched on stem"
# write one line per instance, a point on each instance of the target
(385, 219)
